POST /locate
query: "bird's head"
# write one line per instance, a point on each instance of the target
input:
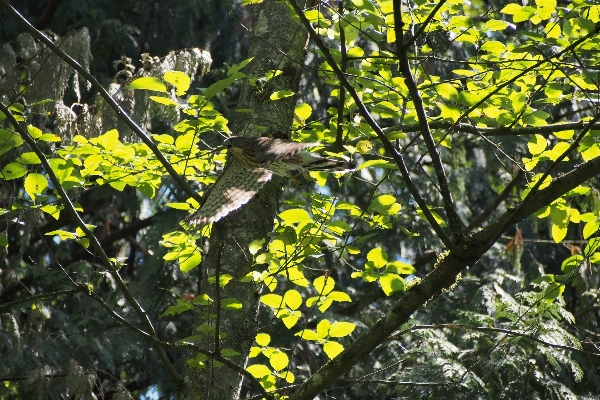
(234, 141)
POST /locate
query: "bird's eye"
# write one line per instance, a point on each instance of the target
(228, 145)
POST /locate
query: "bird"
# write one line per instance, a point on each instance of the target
(252, 162)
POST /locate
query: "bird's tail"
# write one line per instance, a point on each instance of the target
(327, 165)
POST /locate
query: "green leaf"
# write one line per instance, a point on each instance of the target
(3, 241)
(263, 339)
(279, 360)
(13, 171)
(391, 283)
(281, 94)
(272, 300)
(9, 140)
(332, 349)
(230, 303)
(324, 285)
(303, 111)
(258, 370)
(292, 299)
(294, 216)
(178, 79)
(378, 257)
(35, 184)
(147, 83)
(190, 262)
(341, 329)
(377, 163)
(571, 263)
(229, 353)
(165, 101)
(591, 247)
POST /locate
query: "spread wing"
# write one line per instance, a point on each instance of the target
(279, 150)
(234, 188)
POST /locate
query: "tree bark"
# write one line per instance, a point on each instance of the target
(277, 43)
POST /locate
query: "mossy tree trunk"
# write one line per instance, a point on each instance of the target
(277, 43)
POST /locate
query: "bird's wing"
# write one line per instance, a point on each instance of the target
(234, 188)
(279, 150)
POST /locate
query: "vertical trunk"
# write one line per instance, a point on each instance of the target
(278, 43)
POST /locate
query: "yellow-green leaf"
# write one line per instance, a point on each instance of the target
(279, 360)
(178, 79)
(323, 328)
(307, 334)
(35, 184)
(292, 299)
(147, 83)
(536, 144)
(324, 285)
(263, 339)
(272, 300)
(189, 263)
(391, 283)
(332, 349)
(303, 111)
(281, 94)
(13, 171)
(590, 228)
(378, 257)
(164, 100)
(294, 216)
(341, 329)
(258, 370)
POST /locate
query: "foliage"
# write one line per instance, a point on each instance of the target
(471, 99)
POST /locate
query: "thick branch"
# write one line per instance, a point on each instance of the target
(442, 277)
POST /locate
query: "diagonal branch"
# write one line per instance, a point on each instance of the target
(442, 277)
(109, 100)
(107, 264)
(364, 112)
(456, 225)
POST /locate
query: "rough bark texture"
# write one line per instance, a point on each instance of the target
(277, 43)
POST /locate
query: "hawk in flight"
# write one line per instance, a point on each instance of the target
(255, 160)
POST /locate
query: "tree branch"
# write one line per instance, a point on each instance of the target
(364, 112)
(443, 276)
(456, 225)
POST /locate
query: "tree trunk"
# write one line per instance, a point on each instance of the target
(277, 43)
